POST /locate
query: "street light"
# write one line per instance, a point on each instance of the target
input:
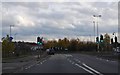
(97, 16)
(15, 36)
(10, 29)
(94, 30)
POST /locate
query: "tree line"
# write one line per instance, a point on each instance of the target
(78, 45)
(20, 48)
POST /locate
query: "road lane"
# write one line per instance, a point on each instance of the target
(102, 65)
(55, 64)
(72, 63)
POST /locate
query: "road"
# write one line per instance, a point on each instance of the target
(71, 63)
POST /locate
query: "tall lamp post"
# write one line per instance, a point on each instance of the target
(97, 16)
(10, 29)
(94, 30)
(15, 36)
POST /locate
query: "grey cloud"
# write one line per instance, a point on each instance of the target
(56, 19)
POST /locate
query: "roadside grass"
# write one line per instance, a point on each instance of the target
(15, 57)
(22, 58)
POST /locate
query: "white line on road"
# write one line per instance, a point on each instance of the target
(85, 69)
(99, 58)
(78, 60)
(72, 62)
(26, 68)
(68, 55)
(29, 66)
(74, 58)
(113, 61)
(37, 64)
(107, 60)
(91, 69)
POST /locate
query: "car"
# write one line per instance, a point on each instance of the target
(50, 51)
(47, 50)
(118, 50)
(66, 49)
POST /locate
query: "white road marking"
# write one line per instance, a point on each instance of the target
(72, 62)
(107, 60)
(113, 61)
(68, 55)
(97, 58)
(100, 59)
(92, 69)
(26, 68)
(29, 66)
(43, 61)
(37, 64)
(76, 59)
(79, 61)
(85, 69)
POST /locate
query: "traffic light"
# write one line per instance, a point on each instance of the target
(97, 39)
(101, 38)
(39, 41)
(115, 39)
(111, 40)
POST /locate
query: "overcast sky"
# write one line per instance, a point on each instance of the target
(57, 20)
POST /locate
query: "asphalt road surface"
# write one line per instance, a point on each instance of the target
(72, 63)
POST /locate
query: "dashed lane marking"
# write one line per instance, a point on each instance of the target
(26, 68)
(72, 62)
